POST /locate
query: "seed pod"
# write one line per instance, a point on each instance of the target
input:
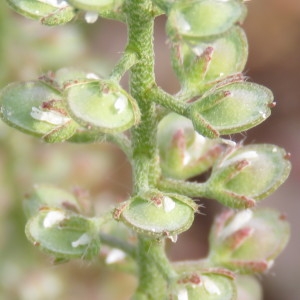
(248, 174)
(101, 105)
(96, 5)
(49, 12)
(46, 195)
(184, 153)
(63, 235)
(231, 108)
(37, 109)
(200, 65)
(191, 20)
(159, 214)
(248, 241)
(202, 285)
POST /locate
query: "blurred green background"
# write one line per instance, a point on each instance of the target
(101, 175)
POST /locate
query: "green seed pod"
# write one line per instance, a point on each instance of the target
(158, 214)
(63, 235)
(249, 287)
(64, 77)
(249, 174)
(190, 20)
(49, 12)
(184, 153)
(199, 66)
(248, 241)
(46, 195)
(36, 108)
(96, 5)
(205, 285)
(231, 108)
(102, 105)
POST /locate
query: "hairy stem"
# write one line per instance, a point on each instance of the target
(190, 189)
(140, 32)
(151, 254)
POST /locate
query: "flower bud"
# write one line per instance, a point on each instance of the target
(248, 174)
(184, 153)
(248, 241)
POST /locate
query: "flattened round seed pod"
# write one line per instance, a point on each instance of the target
(232, 108)
(169, 218)
(95, 5)
(203, 18)
(248, 175)
(248, 241)
(65, 236)
(199, 65)
(36, 108)
(102, 105)
(207, 285)
(46, 195)
(48, 12)
(184, 153)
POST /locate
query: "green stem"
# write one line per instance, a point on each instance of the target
(154, 268)
(127, 60)
(189, 189)
(118, 243)
(140, 32)
(122, 141)
(191, 265)
(168, 101)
